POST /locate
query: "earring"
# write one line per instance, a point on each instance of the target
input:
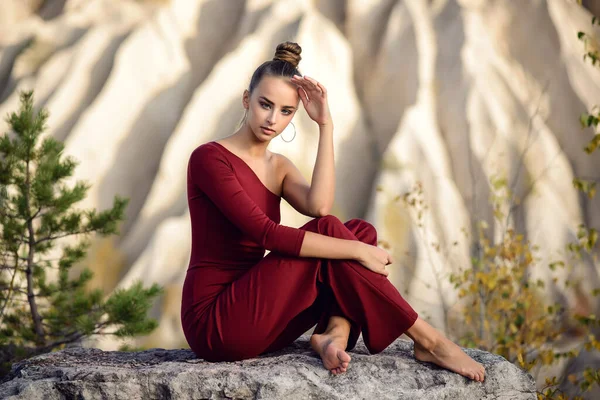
(287, 141)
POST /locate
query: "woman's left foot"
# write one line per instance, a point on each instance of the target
(331, 347)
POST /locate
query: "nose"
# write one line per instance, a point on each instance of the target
(271, 118)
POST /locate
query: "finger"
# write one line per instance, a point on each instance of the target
(312, 84)
(317, 86)
(305, 98)
(301, 81)
(322, 89)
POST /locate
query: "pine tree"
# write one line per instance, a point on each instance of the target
(40, 313)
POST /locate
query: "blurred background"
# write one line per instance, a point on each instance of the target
(451, 117)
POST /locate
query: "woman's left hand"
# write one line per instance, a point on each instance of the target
(314, 99)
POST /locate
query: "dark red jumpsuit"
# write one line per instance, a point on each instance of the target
(238, 304)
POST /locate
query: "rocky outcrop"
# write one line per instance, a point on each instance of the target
(295, 372)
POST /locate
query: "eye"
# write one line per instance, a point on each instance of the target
(287, 112)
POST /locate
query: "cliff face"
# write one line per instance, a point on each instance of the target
(448, 93)
(293, 373)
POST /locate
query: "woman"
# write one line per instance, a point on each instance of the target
(238, 304)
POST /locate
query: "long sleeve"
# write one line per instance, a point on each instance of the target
(212, 173)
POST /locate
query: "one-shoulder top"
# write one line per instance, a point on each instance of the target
(234, 216)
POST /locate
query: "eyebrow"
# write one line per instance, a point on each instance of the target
(270, 102)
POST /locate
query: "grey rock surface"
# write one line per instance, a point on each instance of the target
(295, 372)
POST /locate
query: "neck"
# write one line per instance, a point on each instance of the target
(245, 140)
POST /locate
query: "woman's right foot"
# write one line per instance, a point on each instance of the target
(331, 347)
(447, 354)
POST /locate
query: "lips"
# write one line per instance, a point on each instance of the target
(267, 129)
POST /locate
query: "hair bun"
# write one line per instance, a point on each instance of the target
(288, 51)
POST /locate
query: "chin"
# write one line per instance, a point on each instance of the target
(260, 137)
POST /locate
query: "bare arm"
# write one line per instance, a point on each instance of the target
(316, 199)
(322, 189)
(323, 246)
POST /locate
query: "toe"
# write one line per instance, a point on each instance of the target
(343, 356)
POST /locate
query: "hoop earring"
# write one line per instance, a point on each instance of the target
(287, 141)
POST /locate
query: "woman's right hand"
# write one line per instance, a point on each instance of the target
(373, 258)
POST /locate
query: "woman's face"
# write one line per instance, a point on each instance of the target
(272, 105)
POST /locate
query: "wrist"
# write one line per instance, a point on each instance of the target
(357, 250)
(326, 124)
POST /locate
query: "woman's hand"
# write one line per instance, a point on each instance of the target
(314, 99)
(373, 258)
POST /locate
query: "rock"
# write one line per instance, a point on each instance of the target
(295, 372)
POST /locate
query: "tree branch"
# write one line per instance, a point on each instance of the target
(47, 238)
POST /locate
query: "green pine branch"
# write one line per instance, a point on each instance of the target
(38, 314)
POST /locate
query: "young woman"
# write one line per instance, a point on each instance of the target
(239, 304)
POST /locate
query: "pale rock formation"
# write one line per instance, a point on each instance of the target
(451, 94)
(295, 372)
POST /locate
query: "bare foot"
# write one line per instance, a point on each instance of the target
(330, 347)
(449, 355)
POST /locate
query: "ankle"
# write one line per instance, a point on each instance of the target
(337, 325)
(425, 336)
(339, 337)
(430, 342)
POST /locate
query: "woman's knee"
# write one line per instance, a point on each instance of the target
(363, 230)
(328, 221)
(316, 224)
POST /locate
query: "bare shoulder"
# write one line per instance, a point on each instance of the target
(281, 162)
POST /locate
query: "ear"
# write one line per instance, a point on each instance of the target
(246, 99)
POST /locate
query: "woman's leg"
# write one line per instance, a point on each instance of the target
(331, 319)
(283, 296)
(253, 312)
(330, 337)
(430, 344)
